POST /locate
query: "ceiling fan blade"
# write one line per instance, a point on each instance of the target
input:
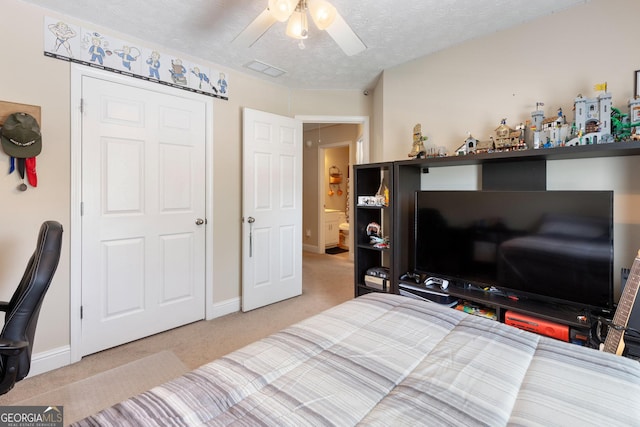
(254, 30)
(344, 36)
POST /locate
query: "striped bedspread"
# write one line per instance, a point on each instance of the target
(388, 360)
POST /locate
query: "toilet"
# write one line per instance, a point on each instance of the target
(343, 228)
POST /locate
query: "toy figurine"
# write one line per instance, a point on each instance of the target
(418, 151)
(471, 143)
(507, 138)
(593, 118)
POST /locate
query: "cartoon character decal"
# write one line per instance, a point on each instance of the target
(63, 40)
(178, 71)
(154, 65)
(96, 46)
(222, 83)
(202, 78)
(96, 51)
(63, 33)
(128, 55)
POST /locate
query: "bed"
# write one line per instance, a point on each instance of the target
(383, 359)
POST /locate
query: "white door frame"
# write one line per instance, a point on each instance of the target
(75, 300)
(361, 152)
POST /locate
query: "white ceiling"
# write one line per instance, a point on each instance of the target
(394, 32)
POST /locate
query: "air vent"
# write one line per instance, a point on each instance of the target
(263, 68)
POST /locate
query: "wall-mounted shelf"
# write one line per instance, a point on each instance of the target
(523, 169)
(624, 148)
(8, 108)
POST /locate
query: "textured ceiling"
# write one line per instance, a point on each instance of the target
(394, 32)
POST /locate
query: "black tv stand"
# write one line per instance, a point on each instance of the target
(517, 170)
(572, 315)
(497, 305)
(578, 318)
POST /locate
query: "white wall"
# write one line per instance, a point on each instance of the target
(31, 78)
(471, 87)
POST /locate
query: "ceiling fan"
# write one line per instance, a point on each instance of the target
(323, 14)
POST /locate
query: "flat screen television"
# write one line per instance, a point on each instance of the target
(554, 245)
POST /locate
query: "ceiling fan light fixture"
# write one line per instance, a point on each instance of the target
(322, 12)
(298, 27)
(324, 15)
(282, 9)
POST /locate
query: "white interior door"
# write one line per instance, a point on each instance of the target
(143, 198)
(272, 209)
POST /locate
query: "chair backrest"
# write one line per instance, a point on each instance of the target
(24, 307)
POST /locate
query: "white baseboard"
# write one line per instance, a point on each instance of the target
(59, 357)
(49, 360)
(233, 305)
(312, 248)
(225, 307)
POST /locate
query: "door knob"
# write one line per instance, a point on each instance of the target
(199, 221)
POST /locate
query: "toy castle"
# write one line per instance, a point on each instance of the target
(596, 121)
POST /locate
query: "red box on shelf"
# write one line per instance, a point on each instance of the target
(539, 326)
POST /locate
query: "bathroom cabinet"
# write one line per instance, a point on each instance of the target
(332, 228)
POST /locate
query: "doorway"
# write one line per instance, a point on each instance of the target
(334, 172)
(314, 187)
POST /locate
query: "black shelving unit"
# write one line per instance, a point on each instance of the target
(522, 170)
(510, 170)
(367, 180)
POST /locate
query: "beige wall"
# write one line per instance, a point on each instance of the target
(34, 79)
(31, 78)
(377, 112)
(470, 87)
(330, 103)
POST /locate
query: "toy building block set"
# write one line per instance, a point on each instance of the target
(595, 121)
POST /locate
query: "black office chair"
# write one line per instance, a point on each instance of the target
(21, 313)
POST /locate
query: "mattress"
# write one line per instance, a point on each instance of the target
(382, 360)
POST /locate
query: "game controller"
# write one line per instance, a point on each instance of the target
(411, 277)
(431, 281)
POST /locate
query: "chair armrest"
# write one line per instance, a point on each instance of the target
(12, 351)
(12, 348)
(4, 305)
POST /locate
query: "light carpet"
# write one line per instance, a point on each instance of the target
(327, 281)
(90, 395)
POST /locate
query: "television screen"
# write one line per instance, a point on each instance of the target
(551, 244)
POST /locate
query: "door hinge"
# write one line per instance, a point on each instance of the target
(81, 208)
(82, 105)
(81, 312)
